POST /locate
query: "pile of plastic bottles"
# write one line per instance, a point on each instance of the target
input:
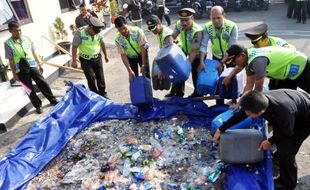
(133, 155)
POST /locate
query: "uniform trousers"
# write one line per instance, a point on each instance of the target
(93, 71)
(301, 11)
(135, 63)
(287, 149)
(34, 74)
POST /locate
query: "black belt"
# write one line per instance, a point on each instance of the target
(89, 57)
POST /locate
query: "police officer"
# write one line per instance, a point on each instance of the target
(24, 63)
(89, 41)
(221, 32)
(190, 35)
(288, 112)
(301, 11)
(164, 37)
(275, 62)
(260, 38)
(83, 18)
(132, 45)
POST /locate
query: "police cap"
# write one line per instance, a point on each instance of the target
(257, 32)
(152, 21)
(233, 52)
(186, 12)
(95, 22)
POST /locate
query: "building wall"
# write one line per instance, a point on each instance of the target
(43, 13)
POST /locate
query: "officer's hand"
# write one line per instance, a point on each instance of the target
(161, 76)
(265, 145)
(217, 135)
(41, 69)
(143, 70)
(15, 77)
(226, 81)
(219, 67)
(201, 67)
(74, 64)
(106, 59)
(131, 75)
(235, 106)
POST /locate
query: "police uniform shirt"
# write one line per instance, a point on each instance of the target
(196, 38)
(141, 41)
(257, 67)
(205, 37)
(9, 53)
(77, 39)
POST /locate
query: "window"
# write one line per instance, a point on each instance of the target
(69, 5)
(17, 10)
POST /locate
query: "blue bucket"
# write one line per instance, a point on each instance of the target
(220, 119)
(141, 91)
(173, 63)
(207, 79)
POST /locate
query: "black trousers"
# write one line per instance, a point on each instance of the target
(303, 81)
(301, 11)
(135, 63)
(161, 14)
(287, 149)
(93, 71)
(178, 89)
(291, 8)
(34, 74)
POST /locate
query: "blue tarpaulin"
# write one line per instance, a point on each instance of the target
(79, 108)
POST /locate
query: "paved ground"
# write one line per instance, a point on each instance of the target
(117, 77)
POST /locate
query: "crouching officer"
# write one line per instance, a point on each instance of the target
(288, 112)
(89, 41)
(274, 62)
(132, 45)
(190, 34)
(24, 63)
(260, 38)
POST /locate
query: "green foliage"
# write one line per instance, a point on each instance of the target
(114, 8)
(60, 31)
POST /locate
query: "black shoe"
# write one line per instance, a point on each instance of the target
(105, 95)
(53, 103)
(193, 95)
(39, 110)
(304, 22)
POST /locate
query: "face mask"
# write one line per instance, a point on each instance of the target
(96, 30)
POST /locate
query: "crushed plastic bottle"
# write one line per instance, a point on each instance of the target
(181, 134)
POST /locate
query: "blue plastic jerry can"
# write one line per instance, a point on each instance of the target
(207, 79)
(235, 88)
(220, 119)
(141, 91)
(159, 84)
(173, 63)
